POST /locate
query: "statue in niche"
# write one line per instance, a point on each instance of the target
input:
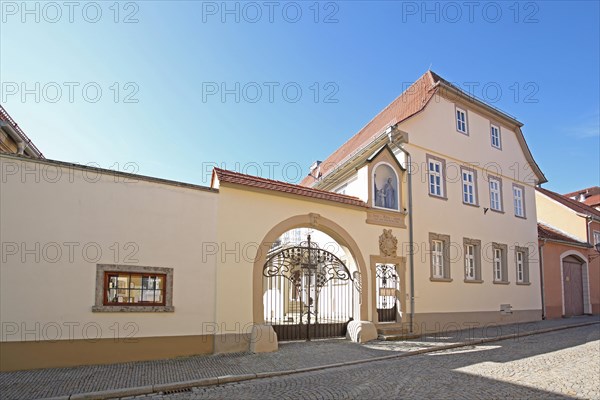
(385, 195)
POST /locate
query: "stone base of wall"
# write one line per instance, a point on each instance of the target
(553, 312)
(425, 323)
(16, 356)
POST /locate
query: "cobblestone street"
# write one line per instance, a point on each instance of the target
(561, 364)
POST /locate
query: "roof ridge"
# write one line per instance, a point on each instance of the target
(411, 101)
(582, 190)
(390, 104)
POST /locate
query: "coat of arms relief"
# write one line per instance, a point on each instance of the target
(388, 244)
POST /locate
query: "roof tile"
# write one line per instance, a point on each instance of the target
(551, 233)
(410, 102)
(226, 176)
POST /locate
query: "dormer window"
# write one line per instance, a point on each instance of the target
(315, 170)
(385, 187)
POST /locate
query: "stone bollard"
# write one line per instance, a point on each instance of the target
(361, 331)
(263, 339)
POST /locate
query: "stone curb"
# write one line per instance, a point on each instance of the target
(165, 387)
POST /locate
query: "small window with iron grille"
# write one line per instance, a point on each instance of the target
(122, 288)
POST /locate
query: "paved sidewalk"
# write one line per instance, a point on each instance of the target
(57, 382)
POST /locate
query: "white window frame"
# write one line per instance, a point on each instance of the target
(472, 185)
(435, 175)
(441, 175)
(461, 122)
(520, 255)
(495, 194)
(470, 262)
(496, 129)
(519, 201)
(595, 237)
(498, 265)
(437, 252)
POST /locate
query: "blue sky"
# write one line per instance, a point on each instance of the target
(161, 67)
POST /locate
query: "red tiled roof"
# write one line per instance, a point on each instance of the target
(413, 100)
(226, 176)
(593, 200)
(592, 195)
(547, 232)
(589, 191)
(572, 204)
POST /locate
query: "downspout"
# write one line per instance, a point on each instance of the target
(411, 257)
(541, 250)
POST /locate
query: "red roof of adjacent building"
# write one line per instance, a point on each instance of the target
(572, 204)
(226, 176)
(591, 190)
(413, 100)
(592, 195)
(550, 233)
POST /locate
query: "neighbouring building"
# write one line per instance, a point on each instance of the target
(569, 243)
(424, 221)
(13, 139)
(589, 196)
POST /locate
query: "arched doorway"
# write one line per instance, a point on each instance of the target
(336, 232)
(308, 291)
(573, 285)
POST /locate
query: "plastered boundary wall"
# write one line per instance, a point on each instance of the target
(58, 222)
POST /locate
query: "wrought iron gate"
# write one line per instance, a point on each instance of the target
(308, 293)
(387, 284)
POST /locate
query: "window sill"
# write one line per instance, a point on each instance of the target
(518, 216)
(497, 211)
(472, 205)
(440, 279)
(156, 309)
(394, 210)
(435, 196)
(524, 283)
(501, 283)
(473, 281)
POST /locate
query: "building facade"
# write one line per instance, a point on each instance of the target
(424, 221)
(473, 205)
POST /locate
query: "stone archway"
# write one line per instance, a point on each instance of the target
(324, 225)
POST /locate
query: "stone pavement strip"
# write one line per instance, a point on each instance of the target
(137, 378)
